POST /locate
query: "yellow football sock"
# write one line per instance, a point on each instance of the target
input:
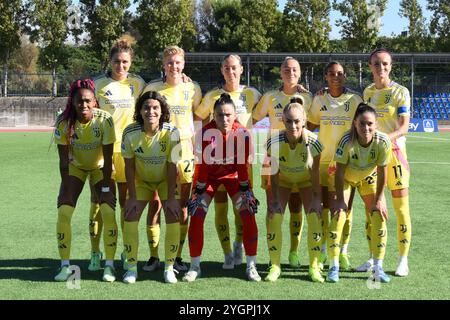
(369, 231)
(334, 235)
(238, 226)
(347, 230)
(110, 234)
(153, 234)
(295, 228)
(401, 207)
(325, 224)
(183, 232)
(95, 226)
(131, 241)
(64, 230)
(222, 225)
(171, 242)
(315, 235)
(379, 235)
(274, 238)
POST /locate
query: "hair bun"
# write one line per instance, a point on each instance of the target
(296, 100)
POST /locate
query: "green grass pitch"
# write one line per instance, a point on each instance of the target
(29, 257)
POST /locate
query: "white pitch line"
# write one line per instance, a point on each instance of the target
(428, 138)
(429, 162)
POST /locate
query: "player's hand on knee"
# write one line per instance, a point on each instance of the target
(247, 199)
(109, 198)
(274, 207)
(130, 209)
(173, 209)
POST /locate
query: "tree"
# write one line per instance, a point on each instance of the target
(361, 24)
(259, 20)
(162, 23)
(11, 14)
(417, 33)
(222, 30)
(105, 24)
(49, 31)
(305, 26)
(440, 22)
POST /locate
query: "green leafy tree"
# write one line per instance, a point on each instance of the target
(440, 23)
(360, 22)
(224, 24)
(161, 23)
(259, 20)
(49, 30)
(105, 24)
(305, 26)
(11, 14)
(417, 31)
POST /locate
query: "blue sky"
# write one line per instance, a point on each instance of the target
(391, 22)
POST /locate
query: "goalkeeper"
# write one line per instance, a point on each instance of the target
(222, 152)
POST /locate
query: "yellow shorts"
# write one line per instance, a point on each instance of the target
(294, 186)
(265, 178)
(95, 175)
(398, 173)
(185, 166)
(118, 168)
(145, 190)
(366, 186)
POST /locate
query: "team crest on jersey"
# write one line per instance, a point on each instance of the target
(243, 98)
(132, 89)
(372, 154)
(96, 131)
(387, 98)
(303, 156)
(186, 95)
(163, 146)
(347, 106)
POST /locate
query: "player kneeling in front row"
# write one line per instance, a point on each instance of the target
(295, 157)
(222, 153)
(361, 158)
(150, 147)
(85, 137)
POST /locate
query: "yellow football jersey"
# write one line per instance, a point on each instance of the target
(291, 163)
(334, 116)
(151, 153)
(119, 98)
(272, 104)
(182, 99)
(245, 99)
(86, 151)
(362, 161)
(390, 103)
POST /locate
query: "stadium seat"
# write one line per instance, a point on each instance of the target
(438, 116)
(445, 116)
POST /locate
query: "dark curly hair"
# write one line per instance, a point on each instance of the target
(165, 113)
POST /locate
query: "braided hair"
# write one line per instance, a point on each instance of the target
(69, 114)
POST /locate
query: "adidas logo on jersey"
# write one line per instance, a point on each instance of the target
(139, 150)
(324, 108)
(355, 156)
(108, 93)
(398, 184)
(283, 159)
(278, 106)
